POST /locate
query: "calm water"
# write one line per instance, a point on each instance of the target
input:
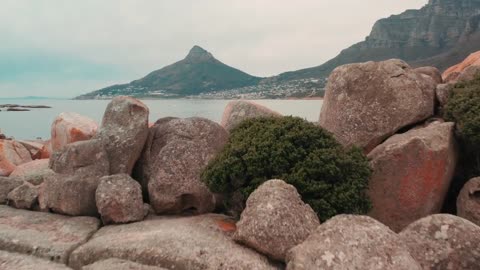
(37, 122)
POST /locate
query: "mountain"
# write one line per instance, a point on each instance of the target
(440, 34)
(198, 73)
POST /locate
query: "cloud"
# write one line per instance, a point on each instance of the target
(67, 42)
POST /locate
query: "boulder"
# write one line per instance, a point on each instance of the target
(124, 132)
(351, 242)
(119, 199)
(46, 150)
(33, 169)
(7, 184)
(411, 174)
(275, 220)
(69, 127)
(468, 201)
(442, 93)
(239, 110)
(34, 147)
(197, 242)
(44, 235)
(176, 152)
(117, 264)
(366, 103)
(432, 72)
(452, 73)
(24, 196)
(17, 261)
(444, 242)
(12, 154)
(469, 74)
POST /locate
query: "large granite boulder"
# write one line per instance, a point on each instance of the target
(239, 110)
(432, 72)
(123, 132)
(275, 220)
(34, 147)
(33, 168)
(197, 242)
(468, 201)
(176, 152)
(44, 235)
(119, 199)
(411, 174)
(12, 154)
(15, 261)
(366, 103)
(24, 196)
(452, 73)
(69, 127)
(351, 242)
(46, 150)
(444, 242)
(442, 93)
(7, 184)
(117, 264)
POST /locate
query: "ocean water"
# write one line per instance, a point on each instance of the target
(37, 122)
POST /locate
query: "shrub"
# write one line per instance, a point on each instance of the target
(331, 179)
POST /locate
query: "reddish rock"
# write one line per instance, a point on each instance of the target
(23, 197)
(46, 150)
(119, 199)
(34, 147)
(444, 242)
(351, 242)
(175, 154)
(71, 127)
(468, 201)
(411, 174)
(124, 132)
(275, 220)
(239, 110)
(7, 184)
(12, 154)
(469, 74)
(432, 72)
(452, 73)
(366, 103)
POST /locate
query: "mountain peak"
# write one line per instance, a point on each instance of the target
(197, 53)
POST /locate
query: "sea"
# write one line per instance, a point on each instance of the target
(36, 124)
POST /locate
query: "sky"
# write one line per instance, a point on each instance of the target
(63, 48)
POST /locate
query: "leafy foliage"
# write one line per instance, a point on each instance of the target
(331, 179)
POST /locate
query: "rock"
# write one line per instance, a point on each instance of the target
(24, 262)
(452, 73)
(444, 242)
(117, 264)
(197, 242)
(239, 110)
(33, 169)
(7, 184)
(124, 132)
(23, 197)
(12, 154)
(432, 72)
(44, 235)
(176, 152)
(119, 199)
(366, 103)
(411, 174)
(469, 74)
(468, 201)
(351, 242)
(71, 127)
(46, 150)
(275, 220)
(442, 93)
(34, 147)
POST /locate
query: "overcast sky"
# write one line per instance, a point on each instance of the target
(67, 47)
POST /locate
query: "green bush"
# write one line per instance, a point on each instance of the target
(333, 180)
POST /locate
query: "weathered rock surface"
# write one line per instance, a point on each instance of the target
(444, 242)
(468, 201)
(31, 169)
(411, 174)
(351, 242)
(239, 110)
(24, 196)
(124, 132)
(368, 102)
(43, 235)
(275, 220)
(12, 154)
(119, 199)
(7, 184)
(69, 127)
(46, 150)
(176, 152)
(34, 147)
(117, 264)
(432, 72)
(452, 73)
(198, 242)
(442, 93)
(15, 261)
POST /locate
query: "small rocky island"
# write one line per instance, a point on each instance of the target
(21, 108)
(372, 185)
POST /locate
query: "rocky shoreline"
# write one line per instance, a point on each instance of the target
(127, 194)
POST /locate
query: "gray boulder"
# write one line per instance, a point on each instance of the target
(432, 72)
(15, 261)
(24, 196)
(239, 110)
(275, 220)
(7, 184)
(468, 201)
